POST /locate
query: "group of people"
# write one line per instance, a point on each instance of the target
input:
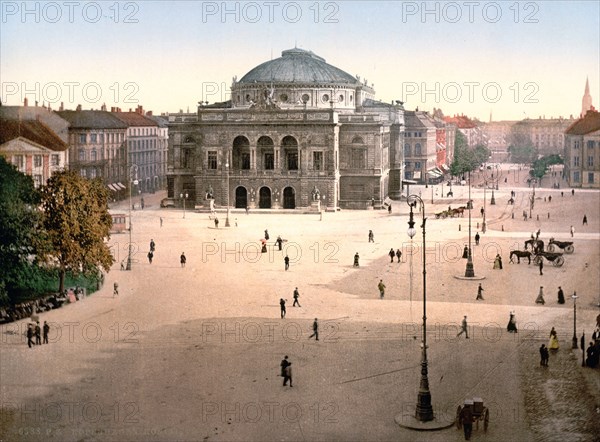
(397, 254)
(35, 331)
(151, 252)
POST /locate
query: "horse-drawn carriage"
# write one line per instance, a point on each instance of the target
(478, 410)
(567, 246)
(459, 211)
(555, 258)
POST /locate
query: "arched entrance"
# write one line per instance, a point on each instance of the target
(289, 198)
(264, 201)
(241, 198)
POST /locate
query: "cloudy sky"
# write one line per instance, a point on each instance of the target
(513, 59)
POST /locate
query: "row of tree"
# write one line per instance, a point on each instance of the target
(61, 227)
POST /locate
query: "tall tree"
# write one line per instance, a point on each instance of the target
(466, 159)
(20, 228)
(77, 222)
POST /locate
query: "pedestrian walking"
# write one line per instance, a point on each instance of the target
(541, 265)
(466, 419)
(477, 237)
(30, 334)
(381, 287)
(524, 215)
(553, 344)
(391, 253)
(398, 255)
(465, 254)
(479, 293)
(540, 297)
(282, 307)
(266, 234)
(296, 296)
(247, 210)
(572, 231)
(561, 295)
(161, 221)
(585, 220)
(150, 256)
(390, 209)
(286, 260)
(123, 265)
(549, 198)
(463, 328)
(115, 289)
(182, 260)
(315, 327)
(38, 333)
(544, 355)
(356, 257)
(152, 245)
(279, 242)
(45, 331)
(512, 323)
(572, 192)
(497, 263)
(371, 236)
(286, 371)
(142, 203)
(216, 222)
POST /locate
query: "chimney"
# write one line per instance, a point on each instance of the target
(149, 113)
(36, 103)
(25, 102)
(62, 106)
(103, 108)
(129, 109)
(78, 109)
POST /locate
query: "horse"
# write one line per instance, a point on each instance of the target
(520, 254)
(537, 245)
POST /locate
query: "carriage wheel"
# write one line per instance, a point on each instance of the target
(558, 262)
(537, 260)
(551, 247)
(458, 422)
(486, 419)
(569, 249)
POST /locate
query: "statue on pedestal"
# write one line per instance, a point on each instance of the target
(316, 196)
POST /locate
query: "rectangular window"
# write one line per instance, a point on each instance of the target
(576, 178)
(269, 161)
(82, 138)
(55, 160)
(358, 159)
(102, 138)
(590, 144)
(37, 180)
(417, 165)
(19, 162)
(212, 160)
(292, 160)
(591, 177)
(81, 155)
(245, 161)
(575, 161)
(37, 161)
(590, 161)
(93, 138)
(317, 160)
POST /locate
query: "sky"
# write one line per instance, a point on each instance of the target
(509, 59)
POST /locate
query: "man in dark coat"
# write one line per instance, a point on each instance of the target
(286, 260)
(45, 330)
(477, 237)
(286, 371)
(282, 305)
(466, 418)
(561, 295)
(38, 334)
(392, 254)
(296, 296)
(30, 342)
(315, 327)
(398, 254)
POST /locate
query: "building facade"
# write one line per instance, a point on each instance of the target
(298, 132)
(582, 152)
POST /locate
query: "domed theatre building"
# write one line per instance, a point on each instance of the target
(297, 133)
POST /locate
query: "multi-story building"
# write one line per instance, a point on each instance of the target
(582, 151)
(298, 132)
(162, 149)
(421, 147)
(32, 147)
(545, 134)
(143, 148)
(97, 146)
(471, 129)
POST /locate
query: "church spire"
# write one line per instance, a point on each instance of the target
(586, 101)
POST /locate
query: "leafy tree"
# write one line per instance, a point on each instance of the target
(540, 166)
(20, 229)
(465, 158)
(522, 154)
(77, 222)
(520, 146)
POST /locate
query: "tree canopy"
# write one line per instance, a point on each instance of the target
(76, 221)
(467, 159)
(540, 167)
(20, 228)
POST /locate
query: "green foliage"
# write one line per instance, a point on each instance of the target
(21, 235)
(522, 154)
(540, 167)
(466, 159)
(77, 222)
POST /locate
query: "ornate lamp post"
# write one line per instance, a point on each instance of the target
(183, 196)
(424, 410)
(132, 182)
(469, 270)
(574, 346)
(227, 216)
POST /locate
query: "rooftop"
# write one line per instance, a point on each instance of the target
(92, 119)
(31, 130)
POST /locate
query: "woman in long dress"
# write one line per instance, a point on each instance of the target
(512, 323)
(553, 344)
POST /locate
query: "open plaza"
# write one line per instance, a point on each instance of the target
(193, 353)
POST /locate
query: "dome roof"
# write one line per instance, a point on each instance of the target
(298, 66)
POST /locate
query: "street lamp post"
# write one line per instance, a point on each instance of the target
(532, 198)
(227, 216)
(132, 181)
(574, 346)
(424, 410)
(470, 271)
(184, 197)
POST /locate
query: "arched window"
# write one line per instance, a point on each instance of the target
(407, 150)
(417, 149)
(357, 140)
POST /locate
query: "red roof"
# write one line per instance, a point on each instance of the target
(585, 125)
(31, 130)
(134, 119)
(461, 121)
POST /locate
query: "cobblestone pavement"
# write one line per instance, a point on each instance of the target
(560, 403)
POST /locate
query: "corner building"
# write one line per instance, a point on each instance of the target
(297, 130)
